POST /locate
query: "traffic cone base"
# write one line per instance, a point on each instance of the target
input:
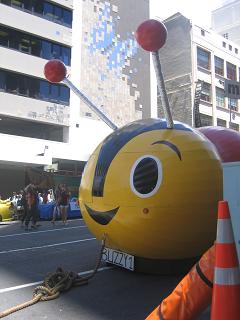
(226, 287)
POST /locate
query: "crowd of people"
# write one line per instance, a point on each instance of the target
(27, 201)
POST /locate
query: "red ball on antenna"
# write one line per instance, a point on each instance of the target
(55, 70)
(151, 35)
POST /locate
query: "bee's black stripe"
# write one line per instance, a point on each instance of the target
(115, 141)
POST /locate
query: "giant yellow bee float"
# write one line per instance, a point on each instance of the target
(152, 186)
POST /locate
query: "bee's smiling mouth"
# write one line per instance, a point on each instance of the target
(102, 217)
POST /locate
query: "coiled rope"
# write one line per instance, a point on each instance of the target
(55, 283)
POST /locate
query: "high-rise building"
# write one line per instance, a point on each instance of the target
(44, 125)
(196, 62)
(226, 20)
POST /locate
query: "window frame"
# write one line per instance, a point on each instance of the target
(220, 98)
(203, 63)
(231, 71)
(216, 67)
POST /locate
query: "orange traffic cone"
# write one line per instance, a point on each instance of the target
(226, 287)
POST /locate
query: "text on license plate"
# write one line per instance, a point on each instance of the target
(118, 258)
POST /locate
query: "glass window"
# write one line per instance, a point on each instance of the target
(231, 71)
(38, 7)
(19, 84)
(2, 80)
(14, 39)
(16, 3)
(7, 2)
(23, 86)
(36, 47)
(219, 66)
(54, 92)
(46, 50)
(203, 58)
(58, 13)
(64, 94)
(27, 5)
(4, 35)
(234, 126)
(34, 88)
(66, 55)
(220, 98)
(56, 51)
(221, 122)
(206, 120)
(232, 104)
(25, 44)
(44, 89)
(11, 83)
(48, 10)
(67, 17)
(206, 92)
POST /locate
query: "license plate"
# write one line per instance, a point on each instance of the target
(118, 258)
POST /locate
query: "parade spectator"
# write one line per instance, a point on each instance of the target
(23, 204)
(56, 210)
(32, 206)
(40, 198)
(64, 203)
(45, 196)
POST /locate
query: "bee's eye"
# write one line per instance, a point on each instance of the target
(146, 176)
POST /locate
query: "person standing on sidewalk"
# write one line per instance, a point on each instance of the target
(64, 203)
(56, 209)
(24, 207)
(32, 206)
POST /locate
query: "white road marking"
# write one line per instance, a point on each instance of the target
(42, 231)
(46, 246)
(39, 282)
(9, 222)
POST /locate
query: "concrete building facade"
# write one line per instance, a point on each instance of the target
(226, 20)
(41, 123)
(194, 55)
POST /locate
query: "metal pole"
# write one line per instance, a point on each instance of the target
(162, 90)
(230, 113)
(90, 104)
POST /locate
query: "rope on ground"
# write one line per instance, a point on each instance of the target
(55, 283)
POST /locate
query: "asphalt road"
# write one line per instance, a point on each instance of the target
(114, 293)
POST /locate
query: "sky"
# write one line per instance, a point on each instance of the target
(198, 11)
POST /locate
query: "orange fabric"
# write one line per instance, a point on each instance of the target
(155, 314)
(191, 296)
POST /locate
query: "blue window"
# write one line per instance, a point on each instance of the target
(44, 89)
(46, 50)
(58, 13)
(19, 84)
(48, 10)
(56, 51)
(54, 92)
(66, 55)
(44, 9)
(67, 17)
(64, 94)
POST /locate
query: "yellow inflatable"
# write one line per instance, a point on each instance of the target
(5, 210)
(153, 191)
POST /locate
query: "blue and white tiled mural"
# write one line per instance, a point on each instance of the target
(103, 38)
(113, 60)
